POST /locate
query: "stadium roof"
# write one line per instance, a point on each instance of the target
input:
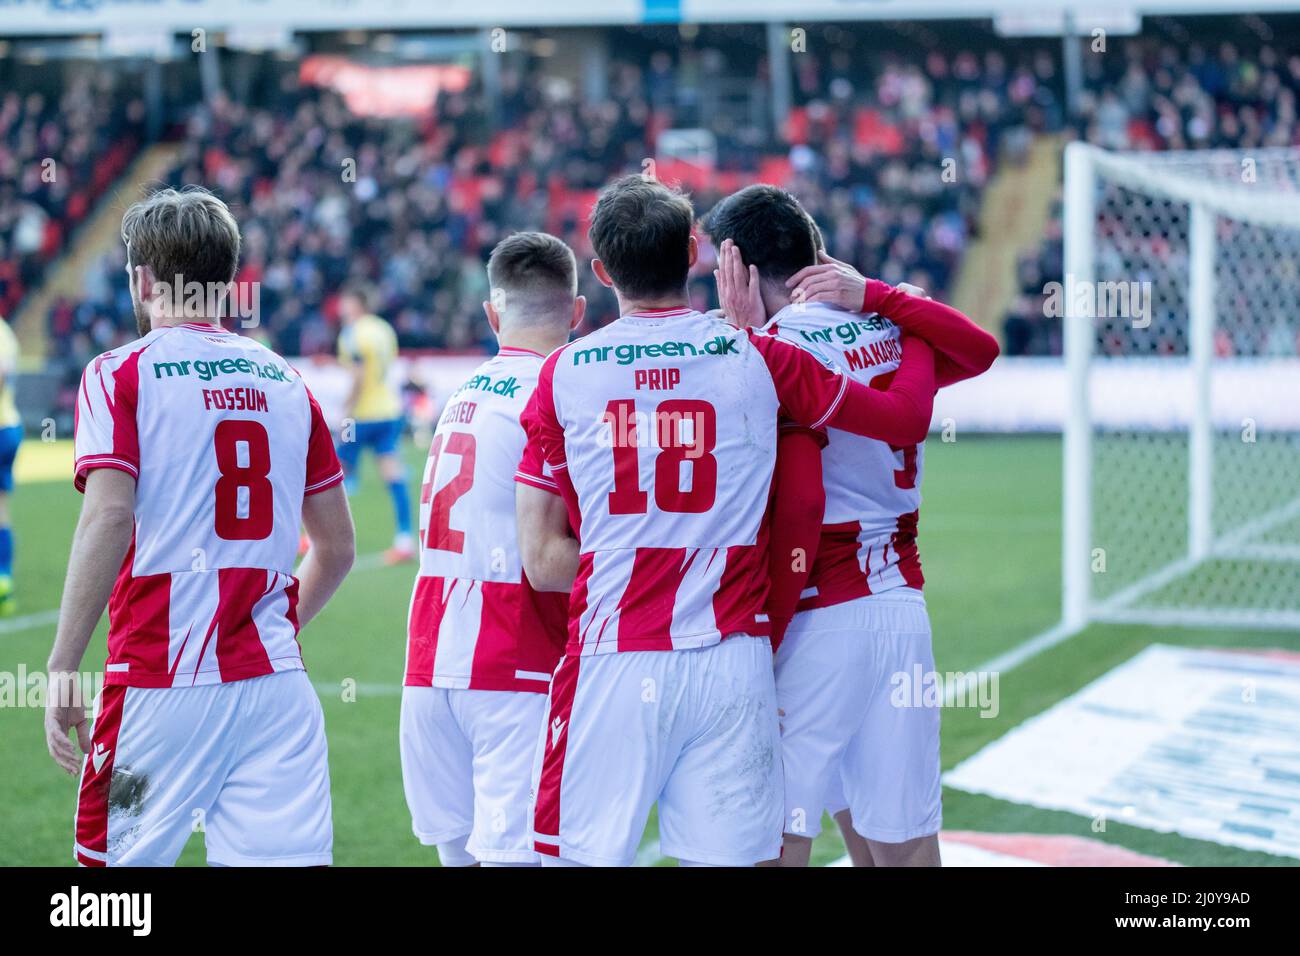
(44, 17)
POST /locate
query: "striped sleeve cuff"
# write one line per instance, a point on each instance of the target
(317, 487)
(834, 405)
(88, 463)
(537, 481)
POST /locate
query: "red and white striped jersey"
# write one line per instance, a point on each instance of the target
(475, 621)
(224, 441)
(661, 431)
(873, 489)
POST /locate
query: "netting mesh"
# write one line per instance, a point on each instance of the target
(1145, 393)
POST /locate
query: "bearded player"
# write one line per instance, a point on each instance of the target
(482, 640)
(861, 617)
(199, 452)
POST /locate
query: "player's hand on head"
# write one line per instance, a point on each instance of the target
(65, 711)
(738, 288)
(915, 290)
(830, 281)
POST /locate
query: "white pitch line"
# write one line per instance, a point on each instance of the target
(1008, 660)
(25, 622)
(1115, 604)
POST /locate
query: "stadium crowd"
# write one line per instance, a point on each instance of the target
(57, 156)
(429, 198)
(413, 206)
(1165, 96)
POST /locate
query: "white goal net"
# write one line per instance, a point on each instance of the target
(1182, 344)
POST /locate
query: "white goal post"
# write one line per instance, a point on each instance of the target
(1182, 351)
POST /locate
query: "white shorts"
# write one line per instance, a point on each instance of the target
(695, 730)
(467, 761)
(850, 736)
(245, 763)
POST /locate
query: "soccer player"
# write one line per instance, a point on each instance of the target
(373, 412)
(862, 618)
(199, 453)
(11, 436)
(660, 433)
(482, 641)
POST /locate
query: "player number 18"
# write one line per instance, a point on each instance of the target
(687, 431)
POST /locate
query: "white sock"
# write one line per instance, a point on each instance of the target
(487, 863)
(453, 853)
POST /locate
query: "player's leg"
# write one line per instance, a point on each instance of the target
(923, 851)
(437, 773)
(157, 761)
(891, 767)
(502, 727)
(387, 446)
(10, 439)
(855, 843)
(819, 674)
(607, 745)
(348, 448)
(858, 847)
(8, 602)
(274, 807)
(722, 802)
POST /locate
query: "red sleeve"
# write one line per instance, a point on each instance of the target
(818, 435)
(809, 390)
(800, 503)
(899, 415)
(962, 349)
(544, 443)
(540, 421)
(104, 425)
(323, 468)
(533, 469)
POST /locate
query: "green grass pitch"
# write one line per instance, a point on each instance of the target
(990, 543)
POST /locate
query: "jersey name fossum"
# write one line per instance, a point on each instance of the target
(873, 489)
(224, 441)
(475, 622)
(661, 430)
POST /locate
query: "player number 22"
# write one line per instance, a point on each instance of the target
(441, 536)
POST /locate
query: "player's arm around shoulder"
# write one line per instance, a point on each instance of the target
(962, 348)
(813, 394)
(798, 507)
